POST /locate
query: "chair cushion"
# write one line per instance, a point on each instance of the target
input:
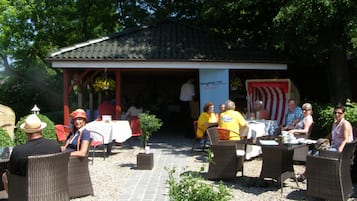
(223, 134)
(240, 152)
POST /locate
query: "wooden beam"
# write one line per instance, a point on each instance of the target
(66, 91)
(117, 94)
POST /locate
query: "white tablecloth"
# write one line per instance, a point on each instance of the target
(258, 128)
(117, 131)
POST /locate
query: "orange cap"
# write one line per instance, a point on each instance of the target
(79, 113)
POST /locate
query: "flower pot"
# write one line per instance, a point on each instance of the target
(145, 161)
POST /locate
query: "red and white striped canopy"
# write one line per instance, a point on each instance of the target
(274, 93)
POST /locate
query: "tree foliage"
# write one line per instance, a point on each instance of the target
(316, 31)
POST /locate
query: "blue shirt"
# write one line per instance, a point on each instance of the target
(291, 116)
(73, 140)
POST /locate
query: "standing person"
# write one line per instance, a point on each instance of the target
(35, 145)
(293, 116)
(341, 132)
(232, 120)
(187, 94)
(78, 139)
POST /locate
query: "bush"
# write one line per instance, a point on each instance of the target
(49, 132)
(5, 139)
(149, 124)
(193, 187)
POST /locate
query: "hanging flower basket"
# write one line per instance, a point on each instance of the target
(104, 84)
(235, 84)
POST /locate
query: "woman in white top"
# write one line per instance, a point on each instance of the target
(303, 126)
(341, 132)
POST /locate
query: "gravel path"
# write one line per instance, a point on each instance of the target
(110, 176)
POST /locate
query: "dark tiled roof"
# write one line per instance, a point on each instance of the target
(169, 40)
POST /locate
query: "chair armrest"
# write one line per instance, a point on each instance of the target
(316, 158)
(329, 154)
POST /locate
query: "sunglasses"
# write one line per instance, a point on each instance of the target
(338, 113)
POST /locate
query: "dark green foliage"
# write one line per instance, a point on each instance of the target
(49, 132)
(192, 187)
(5, 140)
(323, 117)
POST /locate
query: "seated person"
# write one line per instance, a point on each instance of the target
(134, 111)
(293, 116)
(342, 131)
(232, 120)
(341, 134)
(106, 108)
(36, 145)
(78, 139)
(259, 111)
(302, 128)
(206, 119)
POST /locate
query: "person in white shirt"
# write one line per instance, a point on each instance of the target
(187, 94)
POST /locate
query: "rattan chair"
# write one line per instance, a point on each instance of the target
(328, 175)
(228, 157)
(301, 152)
(79, 181)
(46, 179)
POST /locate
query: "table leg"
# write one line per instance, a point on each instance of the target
(109, 148)
(277, 164)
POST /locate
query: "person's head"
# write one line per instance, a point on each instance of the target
(258, 105)
(291, 105)
(208, 107)
(230, 105)
(79, 118)
(33, 125)
(222, 107)
(306, 109)
(339, 112)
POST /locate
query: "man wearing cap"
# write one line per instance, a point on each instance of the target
(36, 145)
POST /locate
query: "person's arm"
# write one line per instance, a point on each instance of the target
(346, 132)
(83, 150)
(307, 124)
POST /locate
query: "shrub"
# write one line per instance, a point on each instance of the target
(149, 124)
(49, 132)
(325, 115)
(5, 139)
(193, 187)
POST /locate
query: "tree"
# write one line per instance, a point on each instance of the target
(324, 31)
(30, 30)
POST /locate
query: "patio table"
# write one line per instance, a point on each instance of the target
(258, 128)
(113, 131)
(277, 159)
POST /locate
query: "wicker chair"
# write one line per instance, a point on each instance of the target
(301, 153)
(228, 157)
(46, 179)
(79, 182)
(328, 175)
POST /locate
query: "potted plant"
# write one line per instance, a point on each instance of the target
(149, 124)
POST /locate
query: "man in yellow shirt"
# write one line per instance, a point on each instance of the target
(232, 120)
